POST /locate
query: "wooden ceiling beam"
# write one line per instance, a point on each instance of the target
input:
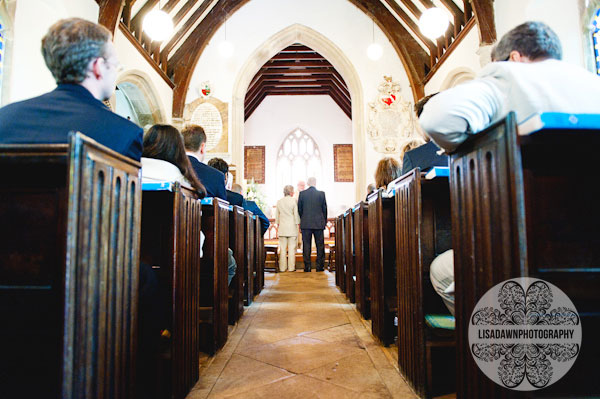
(297, 48)
(109, 14)
(138, 19)
(297, 91)
(186, 26)
(171, 4)
(454, 9)
(298, 56)
(280, 64)
(249, 110)
(412, 7)
(340, 97)
(484, 13)
(286, 71)
(182, 63)
(183, 11)
(346, 108)
(413, 57)
(411, 24)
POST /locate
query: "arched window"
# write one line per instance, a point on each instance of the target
(596, 39)
(134, 104)
(298, 159)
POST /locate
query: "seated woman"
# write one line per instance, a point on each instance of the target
(164, 159)
(388, 169)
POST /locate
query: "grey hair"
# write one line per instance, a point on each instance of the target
(535, 40)
(288, 190)
(311, 181)
(69, 47)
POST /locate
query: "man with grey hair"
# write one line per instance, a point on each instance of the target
(84, 63)
(527, 77)
(312, 208)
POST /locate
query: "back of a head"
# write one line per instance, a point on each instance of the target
(387, 170)
(220, 165)
(311, 181)
(237, 188)
(288, 190)
(193, 137)
(419, 105)
(535, 40)
(69, 47)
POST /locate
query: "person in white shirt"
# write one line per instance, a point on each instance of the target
(527, 77)
(287, 219)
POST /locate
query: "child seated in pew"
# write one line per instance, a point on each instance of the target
(164, 159)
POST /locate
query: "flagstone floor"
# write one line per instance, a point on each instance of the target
(300, 339)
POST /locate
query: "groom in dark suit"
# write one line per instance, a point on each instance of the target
(81, 56)
(312, 208)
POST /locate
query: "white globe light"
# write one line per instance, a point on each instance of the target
(433, 23)
(226, 49)
(374, 51)
(158, 25)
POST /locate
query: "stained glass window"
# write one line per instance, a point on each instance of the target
(596, 39)
(298, 159)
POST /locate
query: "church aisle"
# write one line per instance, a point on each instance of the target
(300, 339)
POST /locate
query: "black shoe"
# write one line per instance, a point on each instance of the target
(320, 270)
(307, 270)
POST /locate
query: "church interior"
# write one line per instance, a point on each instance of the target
(288, 90)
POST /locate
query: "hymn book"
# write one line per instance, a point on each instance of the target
(558, 121)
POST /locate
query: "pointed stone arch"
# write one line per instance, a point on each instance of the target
(155, 112)
(298, 33)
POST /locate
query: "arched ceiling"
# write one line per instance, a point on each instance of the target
(297, 70)
(196, 21)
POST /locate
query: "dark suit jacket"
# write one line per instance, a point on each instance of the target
(213, 180)
(70, 107)
(424, 157)
(235, 199)
(312, 208)
(264, 221)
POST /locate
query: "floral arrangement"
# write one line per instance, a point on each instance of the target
(253, 193)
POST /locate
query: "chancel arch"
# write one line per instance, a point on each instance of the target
(298, 33)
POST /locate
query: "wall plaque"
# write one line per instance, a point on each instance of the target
(343, 167)
(254, 163)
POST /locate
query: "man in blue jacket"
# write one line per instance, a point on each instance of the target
(194, 140)
(312, 208)
(84, 63)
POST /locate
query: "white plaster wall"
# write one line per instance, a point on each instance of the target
(29, 76)
(133, 61)
(350, 31)
(563, 16)
(463, 57)
(320, 117)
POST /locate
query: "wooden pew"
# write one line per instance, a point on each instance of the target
(260, 254)
(69, 266)
(349, 255)
(526, 206)
(213, 275)
(361, 264)
(340, 272)
(249, 259)
(382, 261)
(170, 242)
(237, 220)
(423, 231)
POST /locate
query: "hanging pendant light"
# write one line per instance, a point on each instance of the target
(433, 23)
(374, 51)
(157, 24)
(226, 48)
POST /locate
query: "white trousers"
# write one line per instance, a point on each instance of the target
(441, 273)
(287, 245)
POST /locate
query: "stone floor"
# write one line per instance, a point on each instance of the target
(300, 339)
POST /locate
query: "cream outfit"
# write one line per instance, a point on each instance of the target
(287, 219)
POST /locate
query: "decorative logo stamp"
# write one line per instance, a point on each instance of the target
(525, 334)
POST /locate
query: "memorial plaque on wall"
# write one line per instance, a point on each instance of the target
(254, 163)
(343, 167)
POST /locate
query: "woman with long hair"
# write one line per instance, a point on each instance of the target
(388, 169)
(164, 158)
